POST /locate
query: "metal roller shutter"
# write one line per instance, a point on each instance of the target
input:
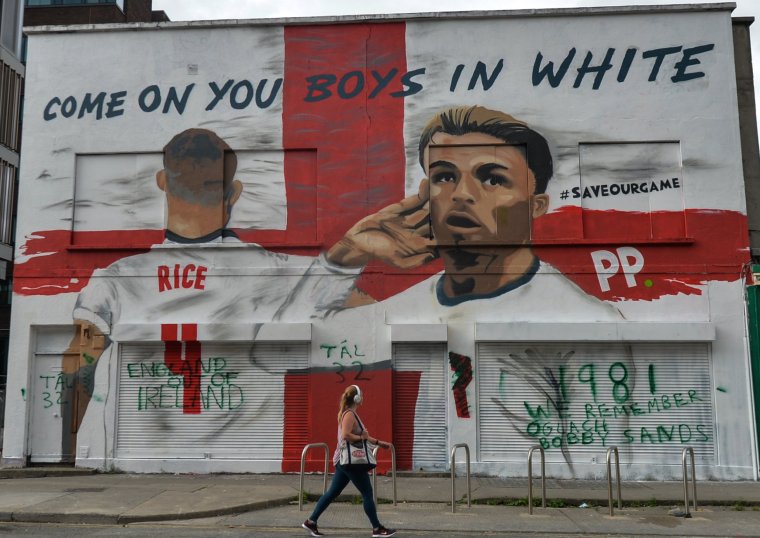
(577, 399)
(427, 435)
(240, 412)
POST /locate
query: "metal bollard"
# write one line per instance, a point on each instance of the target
(690, 450)
(530, 478)
(303, 462)
(453, 475)
(609, 479)
(393, 470)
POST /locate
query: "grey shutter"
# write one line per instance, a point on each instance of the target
(242, 402)
(539, 393)
(428, 431)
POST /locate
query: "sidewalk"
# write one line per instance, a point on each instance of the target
(67, 496)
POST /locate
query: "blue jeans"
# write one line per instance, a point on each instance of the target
(341, 478)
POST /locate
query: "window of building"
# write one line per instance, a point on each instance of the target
(10, 25)
(120, 192)
(632, 190)
(11, 83)
(33, 3)
(7, 189)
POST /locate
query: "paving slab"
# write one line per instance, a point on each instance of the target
(94, 506)
(15, 500)
(12, 499)
(208, 501)
(489, 519)
(655, 521)
(127, 498)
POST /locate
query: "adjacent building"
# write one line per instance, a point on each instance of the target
(11, 90)
(48, 12)
(509, 228)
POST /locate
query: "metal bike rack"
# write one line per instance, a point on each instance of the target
(530, 478)
(609, 479)
(453, 475)
(689, 450)
(303, 462)
(393, 470)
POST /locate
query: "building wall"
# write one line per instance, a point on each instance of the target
(748, 127)
(607, 310)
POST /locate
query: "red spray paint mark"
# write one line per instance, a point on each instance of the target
(187, 364)
(461, 365)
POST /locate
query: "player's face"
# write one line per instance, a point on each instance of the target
(481, 190)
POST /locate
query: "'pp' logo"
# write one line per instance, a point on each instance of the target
(607, 264)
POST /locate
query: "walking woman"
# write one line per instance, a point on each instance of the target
(350, 430)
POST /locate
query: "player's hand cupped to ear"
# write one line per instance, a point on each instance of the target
(398, 234)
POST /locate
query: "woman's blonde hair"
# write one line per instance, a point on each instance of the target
(347, 400)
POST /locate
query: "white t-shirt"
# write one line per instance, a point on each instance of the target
(213, 283)
(543, 296)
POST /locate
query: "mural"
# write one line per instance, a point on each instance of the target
(233, 244)
(474, 211)
(200, 189)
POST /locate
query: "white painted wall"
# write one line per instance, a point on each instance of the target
(105, 168)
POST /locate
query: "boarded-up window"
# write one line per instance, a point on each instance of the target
(120, 192)
(632, 191)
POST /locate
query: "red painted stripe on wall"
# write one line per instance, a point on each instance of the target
(717, 251)
(358, 137)
(297, 418)
(52, 268)
(311, 415)
(406, 390)
(182, 356)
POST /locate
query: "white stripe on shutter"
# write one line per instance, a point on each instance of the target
(531, 393)
(430, 431)
(242, 388)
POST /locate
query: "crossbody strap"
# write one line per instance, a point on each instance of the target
(361, 426)
(347, 443)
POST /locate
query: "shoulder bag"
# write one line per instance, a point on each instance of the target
(358, 454)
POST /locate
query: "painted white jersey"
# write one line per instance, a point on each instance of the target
(213, 283)
(545, 296)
